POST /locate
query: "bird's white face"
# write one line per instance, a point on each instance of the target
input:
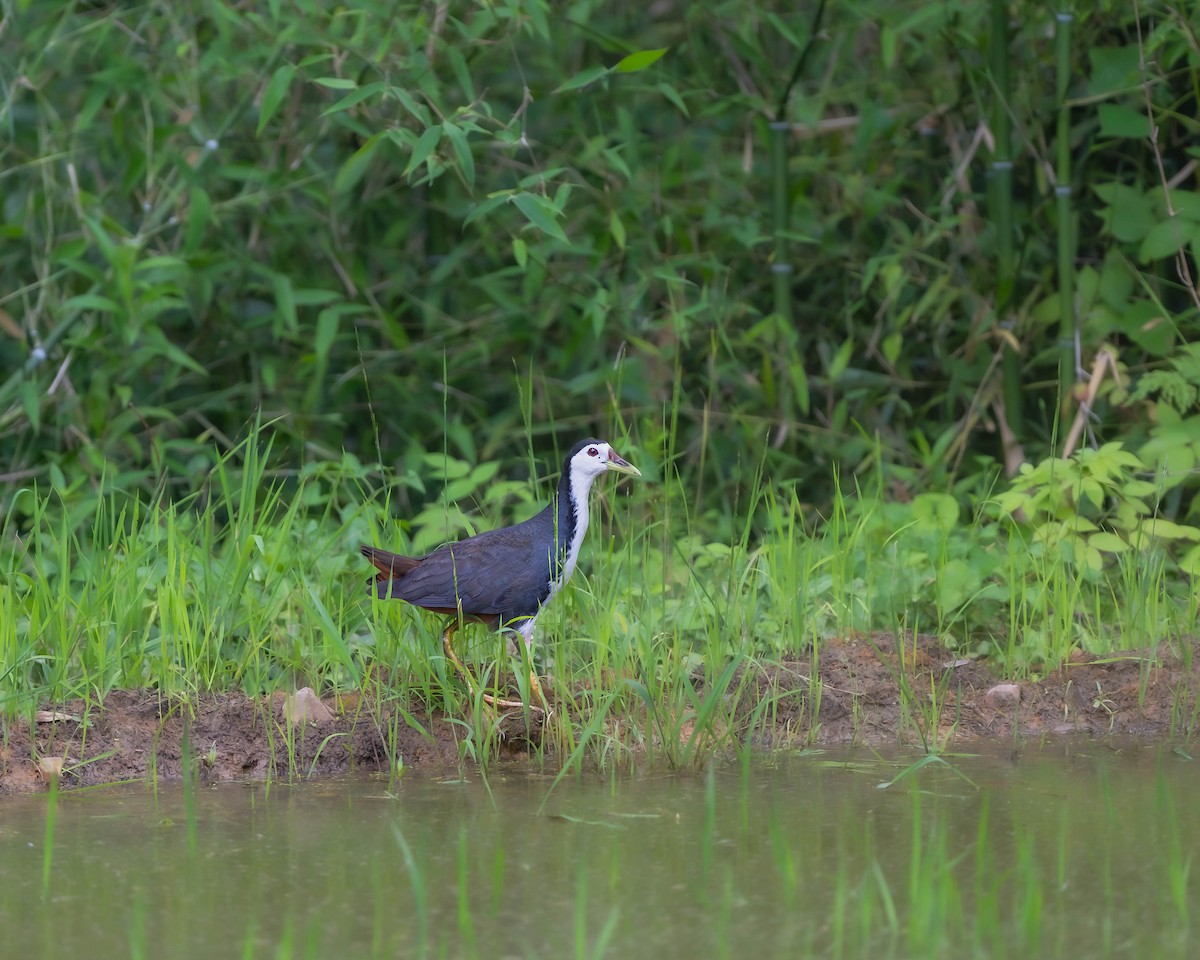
(597, 458)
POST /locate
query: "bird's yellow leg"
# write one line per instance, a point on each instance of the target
(535, 686)
(504, 704)
(447, 645)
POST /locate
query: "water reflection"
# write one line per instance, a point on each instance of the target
(1079, 850)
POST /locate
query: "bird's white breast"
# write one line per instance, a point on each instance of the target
(581, 483)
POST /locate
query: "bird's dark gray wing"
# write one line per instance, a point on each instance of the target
(499, 572)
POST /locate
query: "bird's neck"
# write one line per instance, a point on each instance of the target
(571, 516)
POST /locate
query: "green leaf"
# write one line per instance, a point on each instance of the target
(935, 512)
(285, 301)
(1186, 204)
(462, 150)
(277, 88)
(31, 402)
(841, 360)
(541, 213)
(1148, 327)
(1108, 542)
(174, 353)
(424, 147)
(1169, 530)
(199, 215)
(1165, 239)
(356, 166)
(639, 61)
(582, 79)
(315, 296)
(672, 94)
(327, 328)
(799, 378)
(1129, 214)
(616, 228)
(89, 301)
(1118, 120)
(520, 252)
(336, 83)
(352, 99)
(491, 203)
(956, 581)
(1113, 69)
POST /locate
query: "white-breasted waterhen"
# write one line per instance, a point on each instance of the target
(503, 578)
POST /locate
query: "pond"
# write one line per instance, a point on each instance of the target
(1077, 849)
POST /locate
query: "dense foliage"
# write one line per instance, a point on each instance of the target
(400, 226)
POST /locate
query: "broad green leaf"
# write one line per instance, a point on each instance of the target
(285, 301)
(356, 166)
(1147, 326)
(1169, 530)
(31, 403)
(1113, 69)
(520, 252)
(316, 297)
(935, 511)
(462, 150)
(639, 61)
(357, 97)
(1118, 120)
(336, 83)
(1186, 204)
(890, 346)
(1108, 542)
(88, 301)
(277, 88)
(799, 378)
(1165, 239)
(327, 328)
(487, 206)
(616, 228)
(582, 79)
(445, 467)
(541, 213)
(841, 360)
(887, 46)
(1129, 213)
(198, 217)
(672, 94)
(956, 581)
(424, 147)
(175, 354)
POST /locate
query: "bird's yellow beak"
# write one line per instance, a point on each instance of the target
(621, 465)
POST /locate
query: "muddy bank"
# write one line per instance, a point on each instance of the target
(864, 691)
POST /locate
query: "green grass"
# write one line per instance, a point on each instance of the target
(254, 583)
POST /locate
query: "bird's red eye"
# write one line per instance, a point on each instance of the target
(592, 452)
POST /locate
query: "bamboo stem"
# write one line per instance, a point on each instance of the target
(1000, 205)
(1066, 235)
(781, 267)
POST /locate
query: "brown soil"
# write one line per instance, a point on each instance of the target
(858, 699)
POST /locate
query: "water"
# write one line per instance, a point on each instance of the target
(1081, 851)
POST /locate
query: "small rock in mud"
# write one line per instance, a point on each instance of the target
(50, 767)
(304, 706)
(1004, 693)
(55, 716)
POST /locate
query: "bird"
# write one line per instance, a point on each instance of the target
(504, 577)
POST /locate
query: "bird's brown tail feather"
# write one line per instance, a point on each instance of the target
(391, 566)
